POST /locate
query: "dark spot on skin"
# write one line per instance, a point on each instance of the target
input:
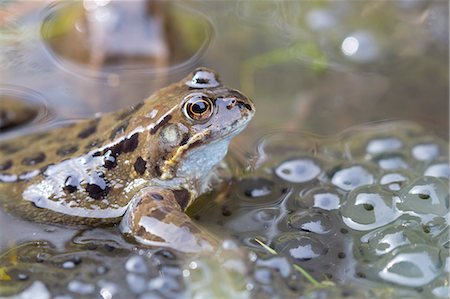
(95, 191)
(131, 143)
(139, 165)
(8, 148)
(125, 146)
(70, 188)
(66, 150)
(184, 140)
(156, 196)
(5, 165)
(158, 214)
(110, 162)
(163, 121)
(96, 154)
(33, 160)
(225, 211)
(70, 185)
(158, 171)
(88, 131)
(120, 129)
(182, 197)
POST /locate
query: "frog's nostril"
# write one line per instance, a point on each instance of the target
(231, 104)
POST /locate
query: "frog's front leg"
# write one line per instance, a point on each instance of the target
(155, 218)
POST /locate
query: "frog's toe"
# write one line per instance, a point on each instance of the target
(156, 219)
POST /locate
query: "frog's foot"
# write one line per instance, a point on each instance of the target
(155, 218)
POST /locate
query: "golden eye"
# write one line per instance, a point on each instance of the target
(198, 108)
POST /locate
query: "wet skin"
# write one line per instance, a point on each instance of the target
(141, 166)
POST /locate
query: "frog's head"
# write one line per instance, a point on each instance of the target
(196, 131)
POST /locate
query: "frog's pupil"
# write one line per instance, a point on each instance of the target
(199, 107)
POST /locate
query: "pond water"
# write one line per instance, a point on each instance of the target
(342, 173)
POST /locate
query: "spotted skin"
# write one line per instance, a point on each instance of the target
(91, 171)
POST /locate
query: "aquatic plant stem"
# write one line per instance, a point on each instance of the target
(296, 267)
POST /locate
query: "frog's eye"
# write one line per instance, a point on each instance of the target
(198, 107)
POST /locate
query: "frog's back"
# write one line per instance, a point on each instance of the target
(78, 173)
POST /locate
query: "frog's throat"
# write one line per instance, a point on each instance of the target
(169, 168)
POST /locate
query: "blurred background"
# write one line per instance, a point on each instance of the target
(319, 66)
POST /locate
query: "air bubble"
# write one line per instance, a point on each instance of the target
(298, 171)
(352, 177)
(368, 208)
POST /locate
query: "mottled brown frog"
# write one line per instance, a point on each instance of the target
(141, 166)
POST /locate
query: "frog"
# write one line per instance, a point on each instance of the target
(138, 168)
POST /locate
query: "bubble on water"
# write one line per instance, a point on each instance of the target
(441, 170)
(394, 181)
(425, 152)
(413, 266)
(80, 287)
(310, 221)
(298, 171)
(108, 289)
(136, 264)
(352, 177)
(426, 195)
(367, 208)
(383, 145)
(360, 46)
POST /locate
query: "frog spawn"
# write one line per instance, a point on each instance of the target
(96, 264)
(383, 189)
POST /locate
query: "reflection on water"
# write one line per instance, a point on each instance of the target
(368, 205)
